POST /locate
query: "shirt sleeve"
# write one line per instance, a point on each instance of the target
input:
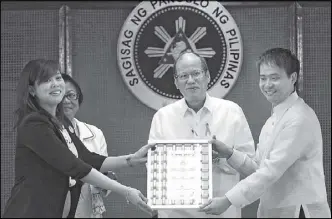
(244, 141)
(156, 127)
(243, 163)
(244, 146)
(102, 150)
(288, 146)
(103, 144)
(93, 159)
(39, 135)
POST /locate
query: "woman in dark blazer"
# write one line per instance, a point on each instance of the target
(51, 162)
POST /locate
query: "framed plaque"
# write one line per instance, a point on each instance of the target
(179, 174)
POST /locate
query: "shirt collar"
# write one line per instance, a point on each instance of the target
(84, 131)
(184, 107)
(285, 105)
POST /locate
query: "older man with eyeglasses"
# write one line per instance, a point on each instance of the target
(200, 116)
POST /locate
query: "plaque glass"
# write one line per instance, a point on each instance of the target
(179, 174)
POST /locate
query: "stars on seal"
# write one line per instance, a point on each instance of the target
(178, 45)
(174, 45)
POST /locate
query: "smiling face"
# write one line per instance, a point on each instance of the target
(70, 102)
(50, 92)
(275, 84)
(191, 79)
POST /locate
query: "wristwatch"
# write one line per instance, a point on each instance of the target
(128, 159)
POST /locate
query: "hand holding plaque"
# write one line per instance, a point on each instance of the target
(140, 156)
(222, 150)
(135, 197)
(179, 174)
(216, 206)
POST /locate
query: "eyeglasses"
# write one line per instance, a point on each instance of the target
(196, 74)
(72, 96)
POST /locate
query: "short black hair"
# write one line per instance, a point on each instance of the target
(68, 78)
(282, 58)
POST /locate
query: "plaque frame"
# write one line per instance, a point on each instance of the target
(205, 175)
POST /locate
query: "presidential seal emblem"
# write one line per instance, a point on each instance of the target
(156, 32)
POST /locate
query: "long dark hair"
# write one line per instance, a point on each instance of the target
(35, 71)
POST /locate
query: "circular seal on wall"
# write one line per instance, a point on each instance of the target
(156, 32)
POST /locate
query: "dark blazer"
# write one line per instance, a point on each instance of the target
(43, 164)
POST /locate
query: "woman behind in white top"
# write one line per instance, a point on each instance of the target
(90, 203)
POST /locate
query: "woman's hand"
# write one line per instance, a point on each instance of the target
(140, 156)
(111, 175)
(135, 197)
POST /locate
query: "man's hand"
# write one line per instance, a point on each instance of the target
(216, 206)
(222, 149)
(215, 154)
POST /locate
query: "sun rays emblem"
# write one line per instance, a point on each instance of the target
(175, 45)
(156, 32)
